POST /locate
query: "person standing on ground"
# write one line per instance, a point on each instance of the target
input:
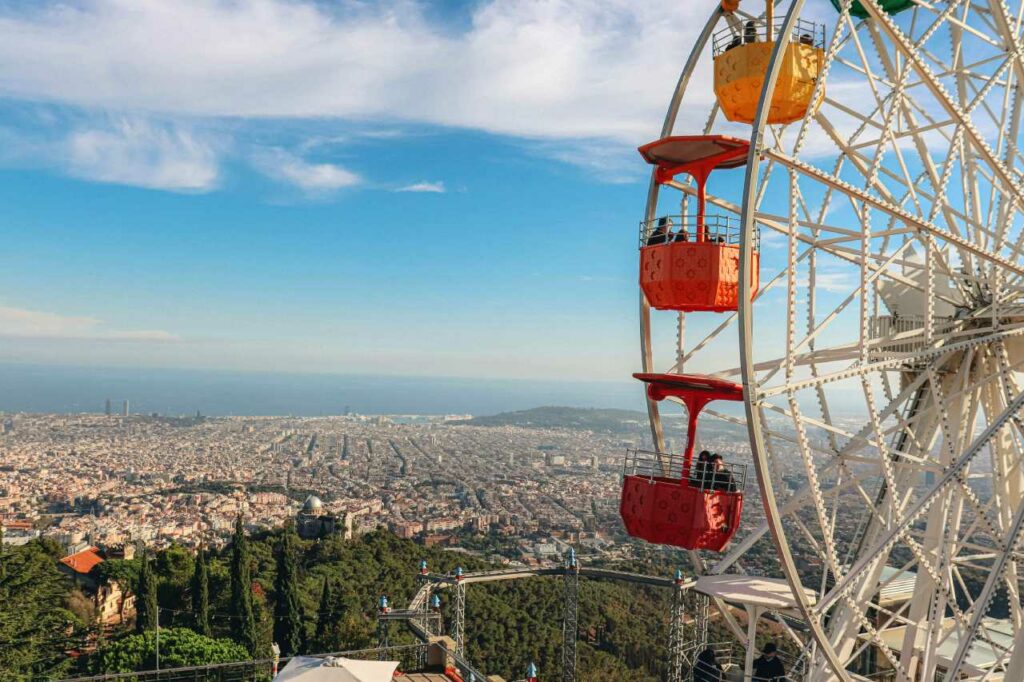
(767, 666)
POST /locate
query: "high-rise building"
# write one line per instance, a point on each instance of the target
(107, 410)
(125, 409)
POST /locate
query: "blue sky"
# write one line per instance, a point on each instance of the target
(397, 187)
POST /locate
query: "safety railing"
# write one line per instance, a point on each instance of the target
(409, 658)
(719, 229)
(731, 659)
(728, 477)
(464, 669)
(756, 31)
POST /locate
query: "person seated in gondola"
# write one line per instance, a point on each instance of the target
(721, 479)
(707, 668)
(750, 32)
(735, 42)
(701, 472)
(681, 235)
(805, 39)
(660, 235)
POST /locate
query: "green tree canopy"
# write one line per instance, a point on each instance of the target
(201, 594)
(178, 647)
(147, 605)
(288, 623)
(243, 619)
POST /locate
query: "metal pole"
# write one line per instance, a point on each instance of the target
(158, 637)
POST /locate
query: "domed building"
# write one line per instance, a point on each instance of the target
(313, 521)
(313, 506)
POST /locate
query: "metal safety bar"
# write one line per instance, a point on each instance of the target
(730, 656)
(720, 229)
(259, 670)
(756, 31)
(649, 464)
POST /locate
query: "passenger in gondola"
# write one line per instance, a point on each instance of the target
(660, 235)
(750, 32)
(700, 473)
(681, 235)
(735, 42)
(707, 668)
(721, 477)
(805, 39)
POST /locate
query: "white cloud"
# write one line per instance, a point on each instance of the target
(431, 187)
(133, 151)
(313, 178)
(34, 324)
(550, 69)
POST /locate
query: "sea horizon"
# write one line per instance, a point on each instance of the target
(73, 389)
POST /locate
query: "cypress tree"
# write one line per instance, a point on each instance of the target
(201, 595)
(146, 602)
(288, 624)
(324, 616)
(243, 621)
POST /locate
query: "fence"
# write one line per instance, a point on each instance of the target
(408, 656)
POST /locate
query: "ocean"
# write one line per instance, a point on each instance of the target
(37, 388)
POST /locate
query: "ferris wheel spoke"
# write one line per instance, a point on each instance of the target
(890, 536)
(895, 211)
(942, 97)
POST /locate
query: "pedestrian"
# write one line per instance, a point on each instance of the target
(707, 668)
(767, 666)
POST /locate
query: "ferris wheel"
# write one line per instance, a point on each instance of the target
(833, 240)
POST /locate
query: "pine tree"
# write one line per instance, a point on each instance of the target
(146, 601)
(243, 620)
(288, 623)
(3, 568)
(324, 616)
(201, 595)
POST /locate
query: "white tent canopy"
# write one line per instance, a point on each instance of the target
(309, 669)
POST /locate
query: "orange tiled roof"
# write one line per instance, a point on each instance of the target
(84, 561)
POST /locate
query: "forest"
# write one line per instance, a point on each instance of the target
(309, 597)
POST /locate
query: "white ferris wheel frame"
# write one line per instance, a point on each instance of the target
(830, 662)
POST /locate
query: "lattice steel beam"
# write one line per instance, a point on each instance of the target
(570, 621)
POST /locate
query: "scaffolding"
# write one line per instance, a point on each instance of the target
(459, 618)
(570, 622)
(677, 649)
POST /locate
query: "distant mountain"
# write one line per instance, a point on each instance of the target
(590, 419)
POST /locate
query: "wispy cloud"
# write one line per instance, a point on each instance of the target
(134, 151)
(35, 324)
(542, 69)
(312, 178)
(430, 187)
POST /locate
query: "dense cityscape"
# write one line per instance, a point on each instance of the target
(111, 480)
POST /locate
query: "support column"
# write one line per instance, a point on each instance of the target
(677, 636)
(753, 614)
(459, 624)
(383, 629)
(570, 622)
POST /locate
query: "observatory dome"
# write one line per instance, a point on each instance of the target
(313, 505)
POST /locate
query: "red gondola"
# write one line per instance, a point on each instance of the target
(698, 271)
(662, 501)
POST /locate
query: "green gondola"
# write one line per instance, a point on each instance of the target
(890, 7)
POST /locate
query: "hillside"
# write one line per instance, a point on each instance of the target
(623, 629)
(590, 419)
